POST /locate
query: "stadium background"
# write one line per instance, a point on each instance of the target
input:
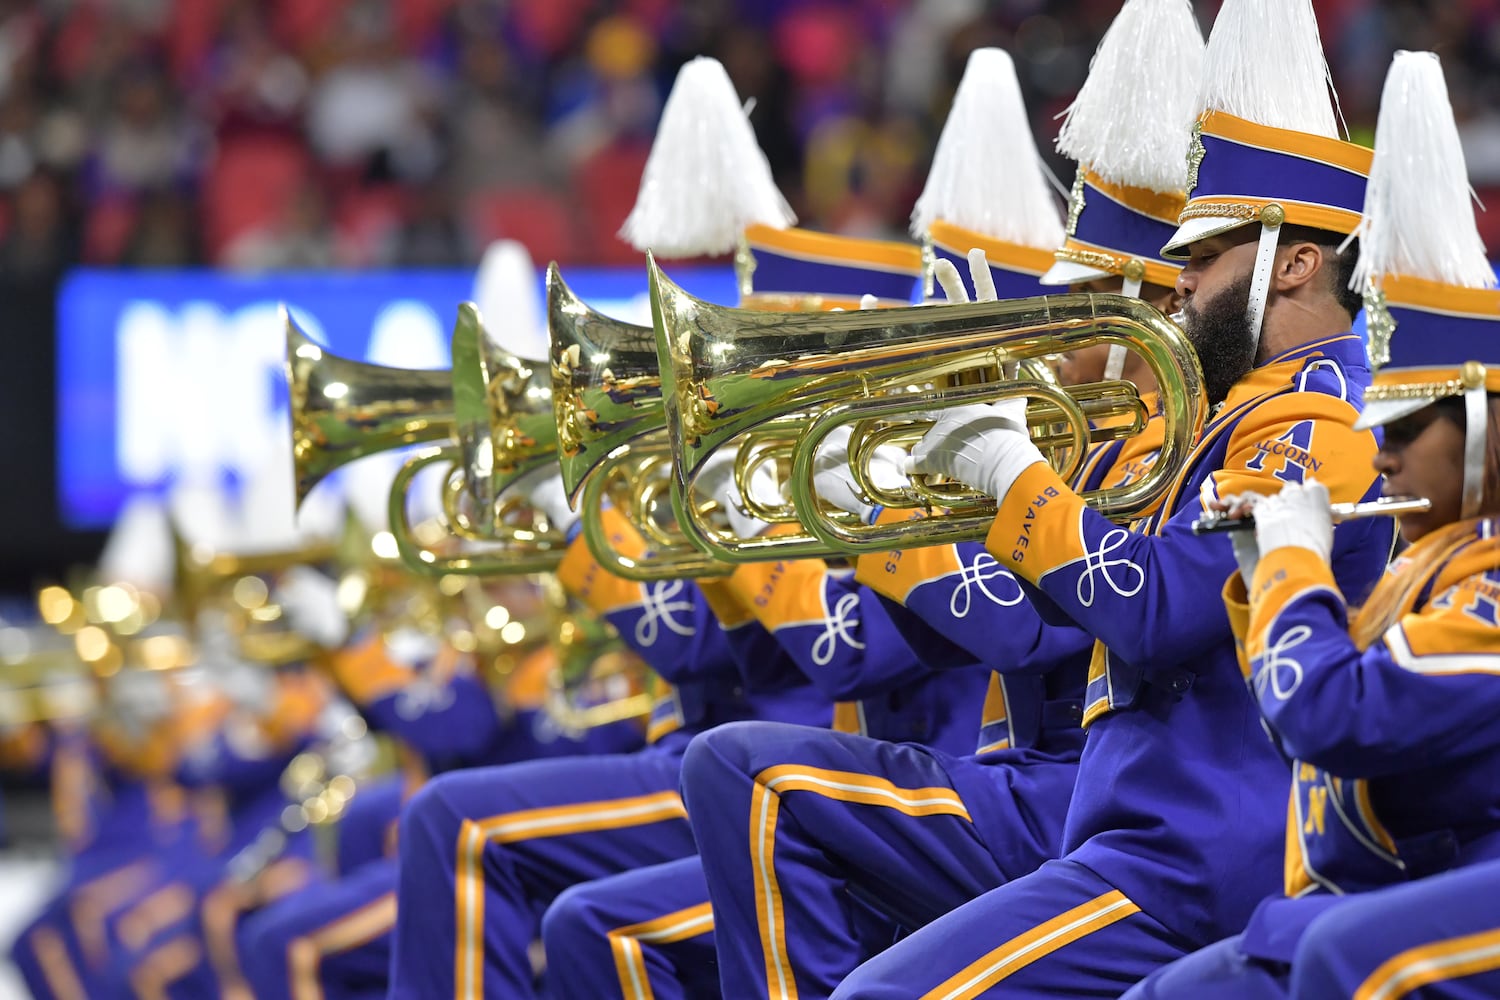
(265, 136)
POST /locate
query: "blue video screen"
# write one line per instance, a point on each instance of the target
(170, 376)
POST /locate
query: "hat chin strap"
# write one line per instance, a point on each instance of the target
(1135, 276)
(1476, 428)
(1271, 218)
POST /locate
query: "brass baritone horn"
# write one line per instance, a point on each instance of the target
(344, 409)
(493, 407)
(606, 388)
(726, 372)
(500, 429)
(611, 433)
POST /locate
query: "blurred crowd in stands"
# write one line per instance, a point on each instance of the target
(267, 134)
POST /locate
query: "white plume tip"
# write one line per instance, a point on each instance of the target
(1132, 119)
(508, 293)
(706, 179)
(986, 171)
(1418, 216)
(1265, 63)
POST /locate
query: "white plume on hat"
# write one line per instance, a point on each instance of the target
(508, 292)
(706, 179)
(1418, 216)
(1132, 119)
(139, 548)
(1265, 63)
(986, 172)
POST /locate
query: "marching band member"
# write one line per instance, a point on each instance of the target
(1388, 714)
(502, 843)
(116, 800)
(824, 937)
(652, 928)
(1125, 130)
(1177, 775)
(237, 735)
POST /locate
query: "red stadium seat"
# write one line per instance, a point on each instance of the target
(108, 229)
(249, 183)
(536, 217)
(607, 183)
(365, 219)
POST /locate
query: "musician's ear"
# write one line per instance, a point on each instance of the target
(1297, 264)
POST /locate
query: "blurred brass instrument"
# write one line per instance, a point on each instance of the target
(729, 372)
(42, 678)
(611, 440)
(589, 655)
(502, 429)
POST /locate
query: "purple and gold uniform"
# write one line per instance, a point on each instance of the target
(1178, 774)
(650, 931)
(1394, 745)
(337, 936)
(957, 605)
(484, 852)
(1369, 947)
(118, 823)
(180, 938)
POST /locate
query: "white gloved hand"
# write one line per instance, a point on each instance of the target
(544, 492)
(1246, 549)
(716, 480)
(834, 481)
(980, 276)
(310, 600)
(984, 445)
(411, 647)
(1297, 516)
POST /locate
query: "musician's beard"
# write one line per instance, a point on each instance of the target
(1220, 333)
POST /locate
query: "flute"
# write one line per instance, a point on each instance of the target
(1215, 522)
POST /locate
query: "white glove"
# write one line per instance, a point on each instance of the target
(834, 481)
(1246, 549)
(310, 600)
(544, 492)
(716, 480)
(1299, 515)
(980, 275)
(411, 648)
(985, 445)
(250, 687)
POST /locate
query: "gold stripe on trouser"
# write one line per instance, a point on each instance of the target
(1039, 942)
(625, 944)
(164, 965)
(1414, 968)
(844, 786)
(304, 955)
(57, 969)
(95, 900)
(531, 824)
(165, 906)
(221, 914)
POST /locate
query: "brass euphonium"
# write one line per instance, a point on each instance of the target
(502, 428)
(494, 409)
(727, 372)
(344, 409)
(611, 433)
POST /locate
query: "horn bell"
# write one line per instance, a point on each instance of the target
(344, 409)
(606, 388)
(726, 372)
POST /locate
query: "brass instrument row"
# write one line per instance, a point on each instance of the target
(629, 416)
